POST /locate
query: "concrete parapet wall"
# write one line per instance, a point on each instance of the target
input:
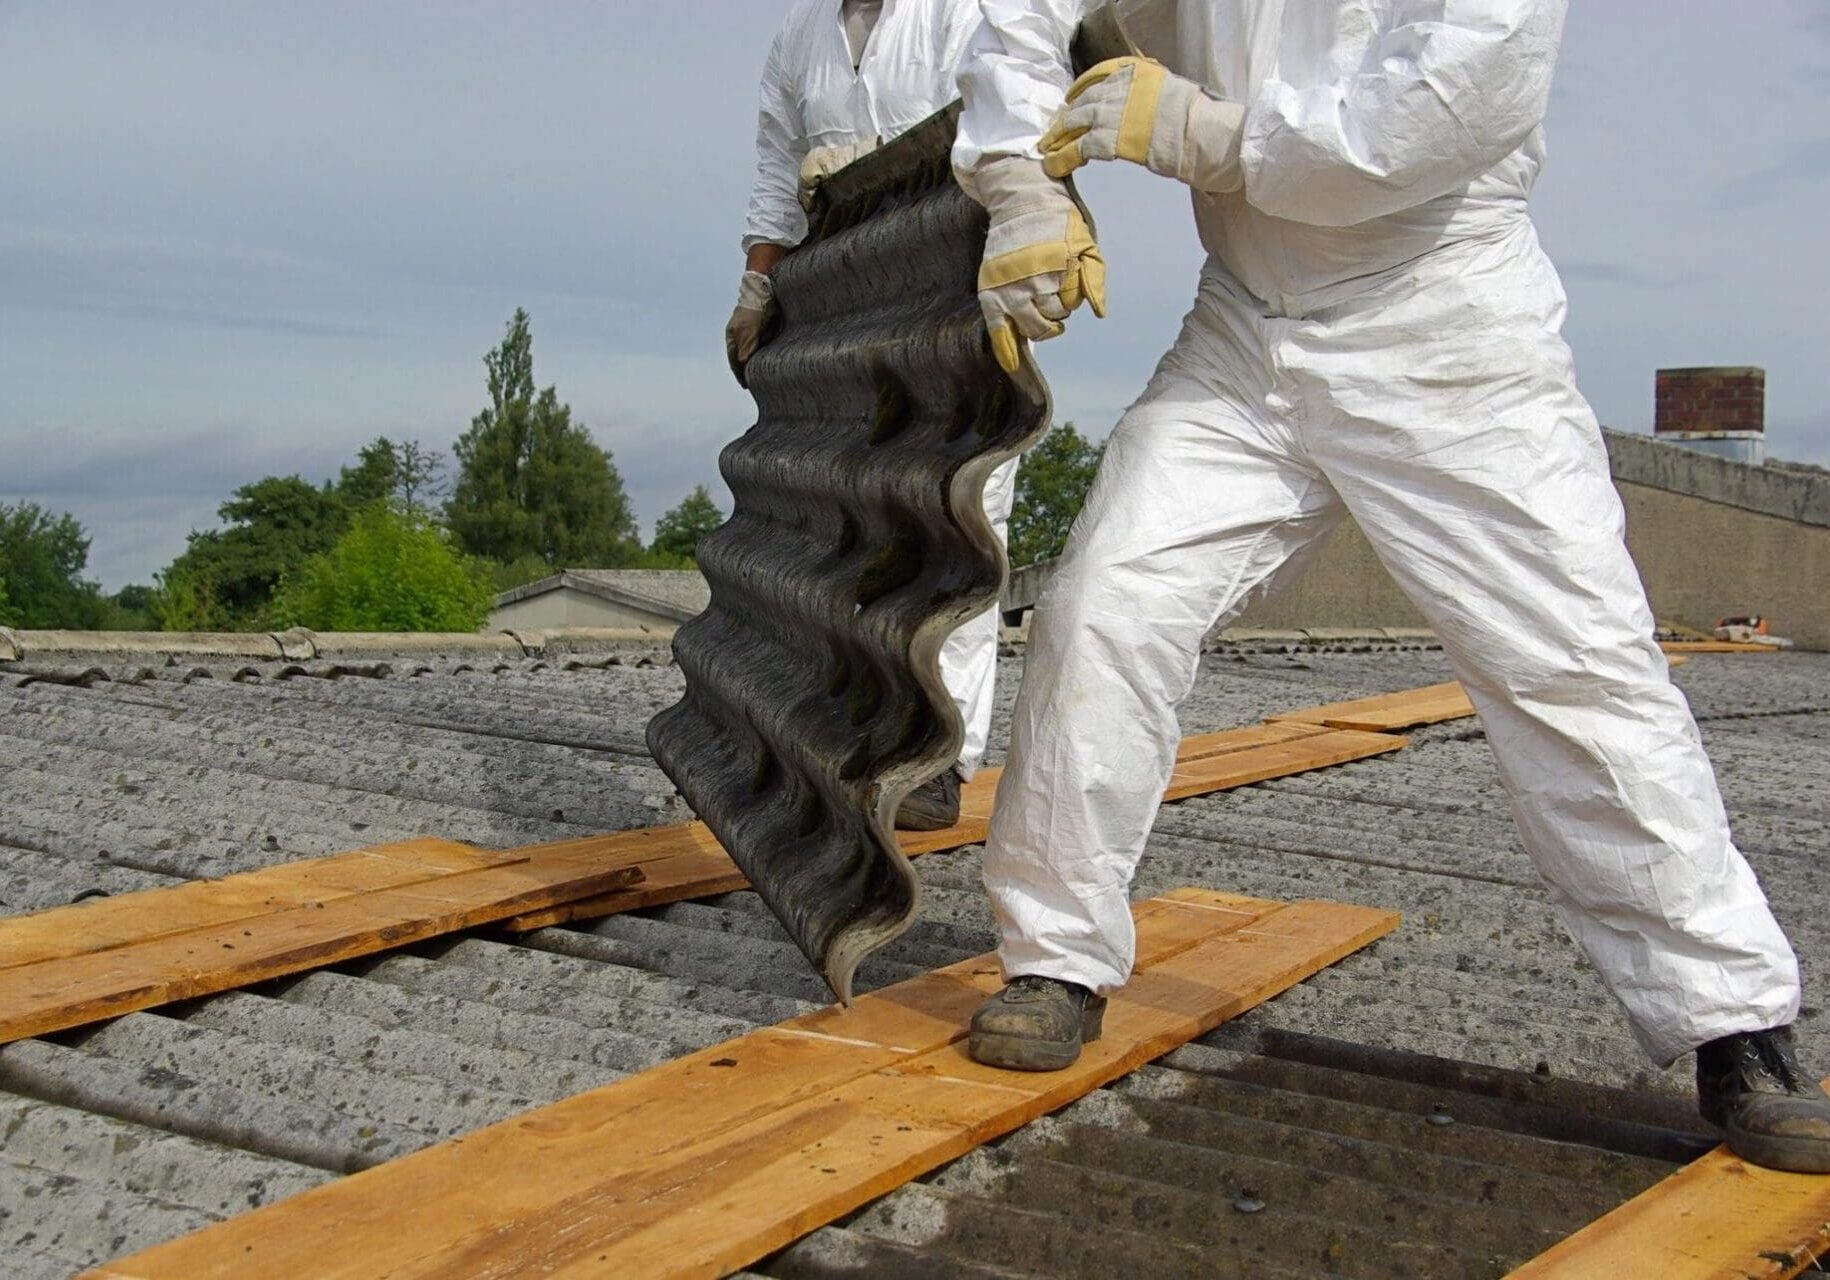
(1782, 492)
(1711, 538)
(300, 645)
(1702, 561)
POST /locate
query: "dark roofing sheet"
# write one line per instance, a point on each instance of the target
(857, 541)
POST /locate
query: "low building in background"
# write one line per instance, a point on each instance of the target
(652, 598)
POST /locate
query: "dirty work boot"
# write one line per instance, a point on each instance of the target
(932, 806)
(1750, 1087)
(1036, 1024)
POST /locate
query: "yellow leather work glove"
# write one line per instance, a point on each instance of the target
(1137, 110)
(1040, 259)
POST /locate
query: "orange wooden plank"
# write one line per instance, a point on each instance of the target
(1278, 760)
(69, 991)
(1718, 1218)
(137, 917)
(724, 1156)
(1716, 646)
(1206, 762)
(1385, 712)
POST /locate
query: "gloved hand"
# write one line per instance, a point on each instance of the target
(1135, 109)
(1040, 259)
(755, 305)
(822, 162)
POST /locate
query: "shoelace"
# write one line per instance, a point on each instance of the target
(1030, 984)
(1767, 1056)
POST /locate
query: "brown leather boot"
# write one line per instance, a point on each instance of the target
(933, 806)
(1036, 1024)
(1749, 1085)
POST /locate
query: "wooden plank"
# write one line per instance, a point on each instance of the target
(136, 917)
(79, 964)
(69, 991)
(701, 1166)
(649, 1115)
(1716, 646)
(1385, 712)
(1205, 763)
(1278, 760)
(1718, 1218)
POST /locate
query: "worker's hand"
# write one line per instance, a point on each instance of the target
(1040, 259)
(822, 162)
(755, 306)
(1137, 110)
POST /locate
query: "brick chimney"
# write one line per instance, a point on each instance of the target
(1716, 410)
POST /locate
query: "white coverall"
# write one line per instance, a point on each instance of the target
(813, 97)
(1376, 332)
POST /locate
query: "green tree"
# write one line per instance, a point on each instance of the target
(225, 578)
(132, 608)
(135, 598)
(677, 533)
(530, 480)
(374, 477)
(407, 473)
(419, 478)
(391, 571)
(42, 558)
(1052, 482)
(6, 612)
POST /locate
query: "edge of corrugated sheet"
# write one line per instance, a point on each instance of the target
(857, 542)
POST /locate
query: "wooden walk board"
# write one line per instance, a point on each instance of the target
(1386, 712)
(104, 923)
(74, 965)
(1716, 646)
(1718, 1218)
(226, 947)
(1206, 762)
(703, 1165)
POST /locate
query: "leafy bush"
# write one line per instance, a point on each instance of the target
(391, 571)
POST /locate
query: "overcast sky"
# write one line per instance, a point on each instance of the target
(240, 239)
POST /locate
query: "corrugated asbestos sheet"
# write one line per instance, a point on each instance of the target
(856, 543)
(1320, 1103)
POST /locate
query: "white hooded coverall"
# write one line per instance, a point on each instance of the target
(813, 95)
(1376, 332)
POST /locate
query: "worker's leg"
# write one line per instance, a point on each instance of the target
(1198, 501)
(1450, 424)
(969, 657)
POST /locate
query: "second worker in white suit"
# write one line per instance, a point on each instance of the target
(842, 77)
(1376, 332)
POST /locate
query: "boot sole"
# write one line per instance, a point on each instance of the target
(1021, 1053)
(1787, 1155)
(917, 819)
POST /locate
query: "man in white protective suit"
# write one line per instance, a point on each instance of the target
(841, 77)
(1376, 332)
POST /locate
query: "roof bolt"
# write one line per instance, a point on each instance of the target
(1439, 1116)
(1248, 1201)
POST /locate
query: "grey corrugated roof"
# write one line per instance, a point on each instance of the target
(119, 1136)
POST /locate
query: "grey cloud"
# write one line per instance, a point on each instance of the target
(1800, 164)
